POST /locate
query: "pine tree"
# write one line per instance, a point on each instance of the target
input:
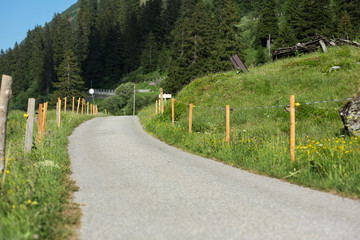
(70, 82)
(352, 9)
(293, 18)
(228, 41)
(315, 19)
(268, 22)
(85, 24)
(150, 54)
(345, 28)
(192, 48)
(169, 18)
(286, 37)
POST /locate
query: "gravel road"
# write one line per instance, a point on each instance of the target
(133, 186)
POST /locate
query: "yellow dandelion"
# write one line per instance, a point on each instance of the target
(29, 201)
(13, 206)
(26, 116)
(35, 203)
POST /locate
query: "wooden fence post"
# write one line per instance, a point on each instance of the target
(82, 106)
(161, 101)
(87, 108)
(156, 107)
(59, 112)
(5, 95)
(190, 117)
(73, 105)
(40, 122)
(292, 128)
(29, 124)
(105, 111)
(65, 100)
(228, 124)
(172, 111)
(44, 118)
(78, 106)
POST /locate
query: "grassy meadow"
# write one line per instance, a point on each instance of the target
(35, 199)
(326, 158)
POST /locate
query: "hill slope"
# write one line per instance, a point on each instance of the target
(325, 158)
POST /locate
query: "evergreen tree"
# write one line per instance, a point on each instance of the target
(286, 37)
(350, 8)
(85, 24)
(169, 18)
(131, 44)
(228, 41)
(150, 54)
(70, 82)
(293, 18)
(315, 19)
(192, 48)
(268, 22)
(345, 28)
(260, 55)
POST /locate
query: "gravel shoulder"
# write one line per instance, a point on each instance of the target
(133, 186)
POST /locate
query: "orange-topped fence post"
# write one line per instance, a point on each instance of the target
(292, 128)
(78, 106)
(65, 100)
(172, 111)
(59, 112)
(44, 118)
(161, 101)
(190, 117)
(228, 124)
(73, 105)
(40, 122)
(82, 106)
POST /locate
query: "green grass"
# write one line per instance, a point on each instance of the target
(35, 201)
(325, 158)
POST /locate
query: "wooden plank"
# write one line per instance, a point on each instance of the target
(238, 63)
(29, 125)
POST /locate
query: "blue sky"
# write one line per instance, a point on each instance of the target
(19, 16)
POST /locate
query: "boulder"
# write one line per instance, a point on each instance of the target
(350, 115)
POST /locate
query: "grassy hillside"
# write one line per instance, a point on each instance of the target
(35, 192)
(325, 157)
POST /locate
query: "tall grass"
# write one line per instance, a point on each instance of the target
(325, 158)
(35, 201)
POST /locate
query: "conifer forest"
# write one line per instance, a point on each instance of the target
(104, 43)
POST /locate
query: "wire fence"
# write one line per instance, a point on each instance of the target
(319, 127)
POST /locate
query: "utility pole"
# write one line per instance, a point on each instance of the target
(134, 100)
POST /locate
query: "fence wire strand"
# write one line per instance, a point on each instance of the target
(264, 107)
